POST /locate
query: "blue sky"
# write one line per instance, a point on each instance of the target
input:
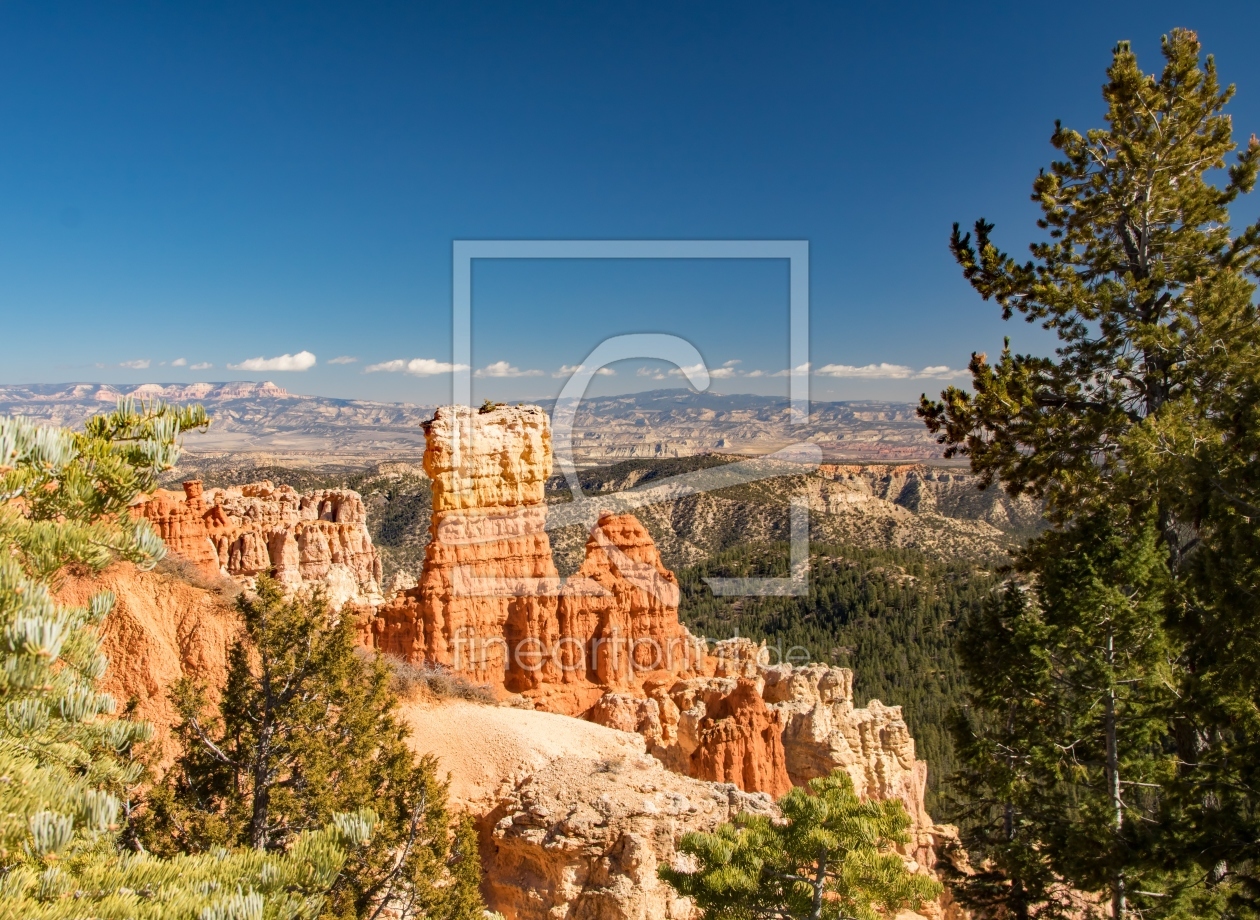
(220, 183)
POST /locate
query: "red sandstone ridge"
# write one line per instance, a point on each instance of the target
(313, 538)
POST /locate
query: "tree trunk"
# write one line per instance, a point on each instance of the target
(1119, 907)
(258, 837)
(820, 882)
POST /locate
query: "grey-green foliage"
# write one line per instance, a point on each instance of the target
(65, 759)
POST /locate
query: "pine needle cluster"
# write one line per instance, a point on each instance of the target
(831, 857)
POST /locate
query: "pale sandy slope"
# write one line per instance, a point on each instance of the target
(488, 750)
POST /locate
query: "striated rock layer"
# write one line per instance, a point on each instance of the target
(315, 538)
(490, 604)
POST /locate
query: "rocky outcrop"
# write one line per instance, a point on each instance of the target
(618, 616)
(490, 604)
(822, 731)
(317, 538)
(710, 728)
(486, 602)
(740, 741)
(583, 838)
(574, 818)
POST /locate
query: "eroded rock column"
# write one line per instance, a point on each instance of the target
(486, 602)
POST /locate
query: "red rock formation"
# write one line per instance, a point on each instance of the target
(184, 523)
(619, 613)
(741, 742)
(485, 605)
(315, 538)
(711, 728)
(490, 603)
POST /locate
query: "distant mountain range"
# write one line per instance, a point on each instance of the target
(265, 419)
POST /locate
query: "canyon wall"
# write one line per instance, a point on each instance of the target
(317, 538)
(927, 489)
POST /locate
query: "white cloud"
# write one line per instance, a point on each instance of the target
(417, 367)
(732, 362)
(940, 371)
(717, 373)
(881, 371)
(503, 369)
(302, 361)
(179, 362)
(800, 368)
(568, 370)
(204, 365)
(755, 374)
(140, 364)
(885, 371)
(650, 373)
(343, 359)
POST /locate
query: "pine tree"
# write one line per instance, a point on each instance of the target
(65, 759)
(304, 730)
(1070, 677)
(1139, 263)
(1204, 458)
(1148, 290)
(832, 857)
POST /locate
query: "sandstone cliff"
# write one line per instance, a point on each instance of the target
(315, 538)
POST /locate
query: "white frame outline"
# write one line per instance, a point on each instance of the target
(796, 252)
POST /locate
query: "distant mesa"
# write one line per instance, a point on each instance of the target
(654, 425)
(171, 392)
